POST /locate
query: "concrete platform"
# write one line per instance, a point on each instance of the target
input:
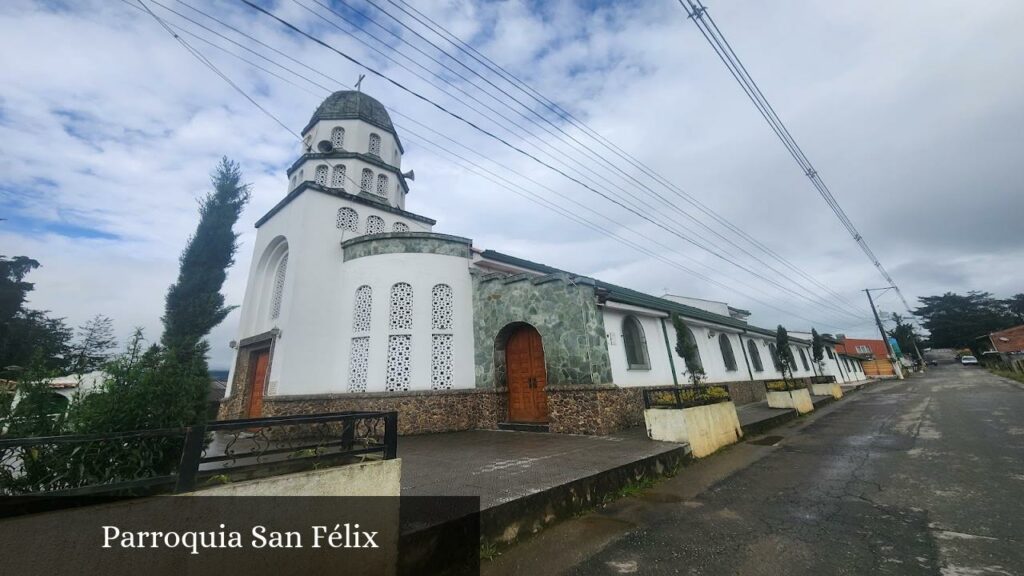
(526, 480)
(757, 417)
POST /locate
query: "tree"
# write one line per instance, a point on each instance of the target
(784, 353)
(1015, 306)
(818, 350)
(194, 304)
(956, 320)
(904, 335)
(687, 350)
(27, 337)
(96, 339)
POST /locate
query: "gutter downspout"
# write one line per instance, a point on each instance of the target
(671, 361)
(743, 348)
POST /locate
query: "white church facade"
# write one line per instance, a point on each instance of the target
(354, 303)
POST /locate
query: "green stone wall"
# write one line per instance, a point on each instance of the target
(566, 316)
(406, 242)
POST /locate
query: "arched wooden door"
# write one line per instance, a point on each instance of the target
(527, 379)
(259, 362)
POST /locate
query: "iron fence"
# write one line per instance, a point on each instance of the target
(684, 396)
(145, 462)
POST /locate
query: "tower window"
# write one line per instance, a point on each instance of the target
(382, 184)
(278, 290)
(338, 137)
(366, 180)
(348, 219)
(321, 175)
(374, 225)
(338, 176)
(375, 144)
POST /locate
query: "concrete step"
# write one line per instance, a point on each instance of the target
(523, 427)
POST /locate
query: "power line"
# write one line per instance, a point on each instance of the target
(194, 52)
(697, 12)
(514, 147)
(563, 114)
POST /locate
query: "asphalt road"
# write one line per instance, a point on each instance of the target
(924, 476)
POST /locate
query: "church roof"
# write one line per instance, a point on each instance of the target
(636, 298)
(354, 105)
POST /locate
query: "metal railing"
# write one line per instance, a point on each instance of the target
(145, 462)
(685, 396)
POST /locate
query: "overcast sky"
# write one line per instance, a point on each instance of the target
(911, 112)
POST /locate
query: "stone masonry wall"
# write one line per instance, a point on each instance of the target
(419, 412)
(565, 314)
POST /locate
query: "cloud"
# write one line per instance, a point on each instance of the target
(109, 129)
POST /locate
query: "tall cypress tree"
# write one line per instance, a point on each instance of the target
(818, 351)
(194, 304)
(784, 352)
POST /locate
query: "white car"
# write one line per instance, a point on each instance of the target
(968, 360)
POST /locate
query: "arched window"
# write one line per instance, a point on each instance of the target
(366, 180)
(441, 307)
(728, 356)
(321, 175)
(755, 356)
(375, 144)
(803, 359)
(400, 314)
(775, 357)
(441, 342)
(295, 180)
(688, 335)
(635, 343)
(846, 363)
(400, 227)
(374, 225)
(362, 309)
(830, 355)
(348, 219)
(338, 176)
(338, 137)
(278, 291)
(382, 184)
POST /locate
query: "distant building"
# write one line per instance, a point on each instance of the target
(873, 354)
(1007, 344)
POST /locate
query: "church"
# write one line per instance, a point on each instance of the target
(354, 303)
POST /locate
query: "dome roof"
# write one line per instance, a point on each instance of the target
(352, 105)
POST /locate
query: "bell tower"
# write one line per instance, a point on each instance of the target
(351, 145)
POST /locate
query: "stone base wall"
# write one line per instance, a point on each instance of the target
(419, 412)
(745, 391)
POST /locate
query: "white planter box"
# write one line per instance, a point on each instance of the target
(834, 390)
(704, 428)
(799, 400)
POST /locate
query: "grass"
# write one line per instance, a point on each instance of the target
(1008, 374)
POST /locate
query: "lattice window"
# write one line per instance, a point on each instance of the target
(338, 176)
(375, 144)
(348, 219)
(374, 225)
(358, 364)
(361, 309)
(366, 180)
(382, 184)
(400, 314)
(441, 307)
(338, 137)
(321, 174)
(399, 367)
(441, 362)
(400, 227)
(278, 292)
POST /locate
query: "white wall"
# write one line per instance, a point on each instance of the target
(311, 305)
(660, 372)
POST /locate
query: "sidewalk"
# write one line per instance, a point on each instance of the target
(526, 480)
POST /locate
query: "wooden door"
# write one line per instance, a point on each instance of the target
(258, 364)
(524, 358)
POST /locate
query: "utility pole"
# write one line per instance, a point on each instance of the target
(885, 338)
